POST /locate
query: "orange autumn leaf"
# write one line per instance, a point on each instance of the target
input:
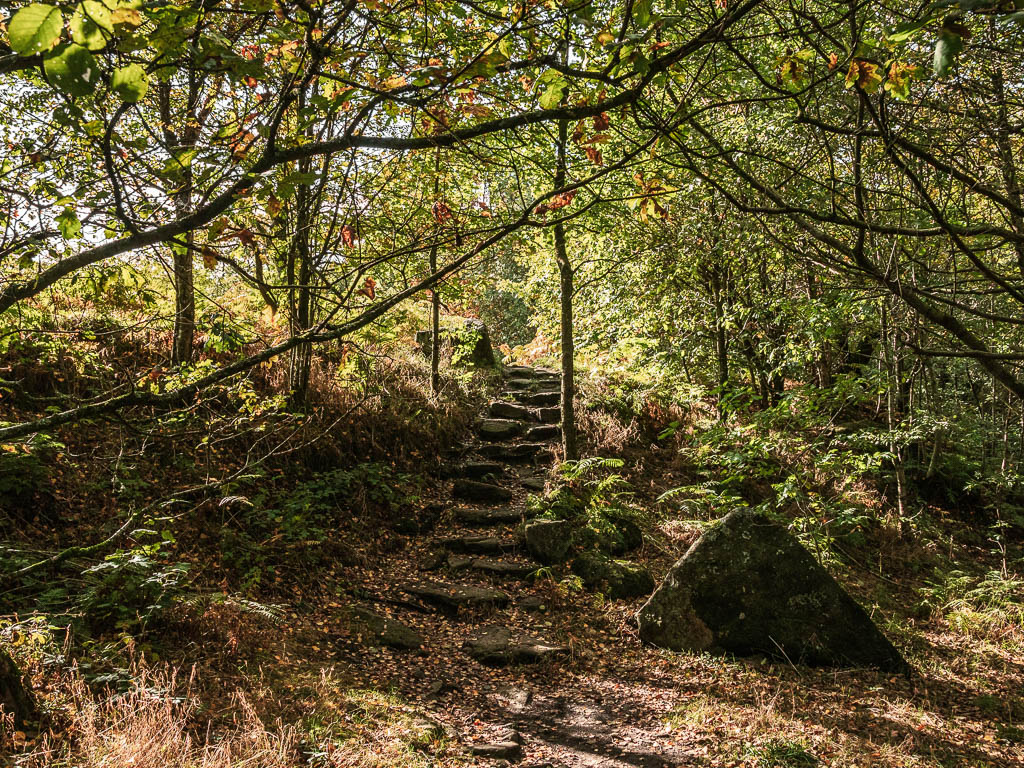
(369, 288)
(441, 211)
(348, 236)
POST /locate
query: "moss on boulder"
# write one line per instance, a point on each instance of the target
(747, 586)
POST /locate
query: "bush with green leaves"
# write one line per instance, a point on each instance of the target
(991, 600)
(598, 502)
(25, 469)
(305, 515)
(130, 588)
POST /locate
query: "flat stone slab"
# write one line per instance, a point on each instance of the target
(502, 410)
(499, 429)
(457, 596)
(474, 470)
(499, 645)
(515, 453)
(534, 483)
(747, 586)
(376, 629)
(474, 490)
(514, 371)
(478, 545)
(492, 565)
(499, 750)
(544, 432)
(528, 372)
(551, 415)
(544, 399)
(503, 516)
(535, 384)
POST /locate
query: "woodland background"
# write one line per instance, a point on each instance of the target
(776, 248)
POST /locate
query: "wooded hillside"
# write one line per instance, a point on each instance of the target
(576, 383)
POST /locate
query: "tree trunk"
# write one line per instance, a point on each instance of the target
(721, 340)
(179, 143)
(301, 356)
(15, 698)
(1007, 166)
(565, 286)
(183, 336)
(299, 275)
(435, 296)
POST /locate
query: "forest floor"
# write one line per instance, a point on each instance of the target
(298, 680)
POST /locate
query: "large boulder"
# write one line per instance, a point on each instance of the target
(616, 535)
(548, 540)
(748, 587)
(469, 342)
(616, 579)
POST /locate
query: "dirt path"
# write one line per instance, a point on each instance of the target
(522, 672)
(510, 665)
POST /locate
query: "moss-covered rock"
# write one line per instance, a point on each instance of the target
(548, 540)
(614, 534)
(618, 579)
(748, 587)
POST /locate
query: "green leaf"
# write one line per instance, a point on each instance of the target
(552, 96)
(555, 88)
(130, 82)
(299, 177)
(946, 49)
(903, 32)
(642, 13)
(35, 28)
(73, 69)
(68, 224)
(91, 25)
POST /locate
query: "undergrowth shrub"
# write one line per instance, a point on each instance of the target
(985, 605)
(598, 502)
(25, 469)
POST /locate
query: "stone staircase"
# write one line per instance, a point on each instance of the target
(480, 557)
(468, 575)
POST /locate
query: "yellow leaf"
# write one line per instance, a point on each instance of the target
(127, 16)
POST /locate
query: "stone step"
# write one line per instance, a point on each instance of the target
(545, 399)
(474, 490)
(552, 415)
(471, 516)
(543, 432)
(500, 645)
(534, 385)
(527, 371)
(502, 410)
(455, 596)
(498, 750)
(496, 566)
(536, 484)
(515, 453)
(499, 429)
(475, 470)
(480, 544)
(376, 629)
